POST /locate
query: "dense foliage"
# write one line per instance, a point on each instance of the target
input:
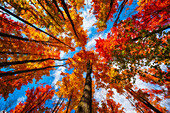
(33, 33)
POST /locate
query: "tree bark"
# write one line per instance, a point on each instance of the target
(85, 104)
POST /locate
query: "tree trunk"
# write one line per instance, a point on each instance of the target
(85, 104)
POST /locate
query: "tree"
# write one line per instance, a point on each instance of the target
(31, 39)
(35, 100)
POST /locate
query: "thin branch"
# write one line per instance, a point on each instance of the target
(166, 79)
(112, 108)
(39, 103)
(69, 101)
(16, 77)
(13, 53)
(26, 61)
(59, 106)
(133, 104)
(111, 4)
(68, 15)
(25, 39)
(153, 32)
(25, 71)
(54, 1)
(48, 13)
(58, 102)
(9, 22)
(120, 10)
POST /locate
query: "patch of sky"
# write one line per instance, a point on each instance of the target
(5, 69)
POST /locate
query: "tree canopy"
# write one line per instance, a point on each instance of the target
(132, 44)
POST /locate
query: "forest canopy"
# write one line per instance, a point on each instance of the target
(85, 56)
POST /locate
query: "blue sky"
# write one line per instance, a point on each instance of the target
(89, 20)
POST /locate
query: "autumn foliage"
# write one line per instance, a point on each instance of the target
(33, 33)
(35, 100)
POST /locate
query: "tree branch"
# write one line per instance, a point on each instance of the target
(111, 3)
(13, 53)
(144, 101)
(120, 10)
(58, 102)
(54, 1)
(25, 39)
(69, 101)
(26, 61)
(26, 22)
(59, 106)
(25, 71)
(153, 32)
(68, 15)
(48, 13)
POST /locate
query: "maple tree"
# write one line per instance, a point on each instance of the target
(31, 40)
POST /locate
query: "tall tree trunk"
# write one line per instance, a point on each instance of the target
(85, 105)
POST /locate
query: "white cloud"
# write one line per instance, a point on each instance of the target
(89, 18)
(100, 95)
(166, 103)
(125, 103)
(92, 42)
(88, 2)
(58, 71)
(89, 32)
(140, 84)
(163, 67)
(55, 98)
(21, 99)
(62, 54)
(57, 75)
